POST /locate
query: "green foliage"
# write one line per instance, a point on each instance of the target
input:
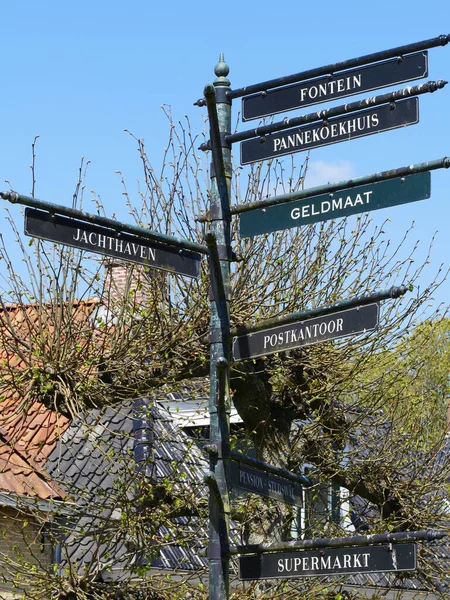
(415, 378)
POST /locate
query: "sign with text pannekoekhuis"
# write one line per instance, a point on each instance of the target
(337, 129)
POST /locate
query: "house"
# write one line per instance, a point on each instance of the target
(68, 487)
(26, 489)
(120, 465)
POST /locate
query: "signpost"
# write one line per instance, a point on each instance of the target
(335, 85)
(342, 203)
(305, 333)
(338, 129)
(328, 561)
(260, 481)
(105, 236)
(102, 240)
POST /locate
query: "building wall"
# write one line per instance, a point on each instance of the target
(24, 547)
(122, 278)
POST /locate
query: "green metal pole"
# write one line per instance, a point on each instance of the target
(304, 315)
(341, 542)
(117, 226)
(219, 243)
(329, 188)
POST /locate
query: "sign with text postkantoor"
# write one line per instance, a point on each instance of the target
(102, 240)
(328, 561)
(337, 85)
(259, 481)
(338, 129)
(342, 203)
(336, 325)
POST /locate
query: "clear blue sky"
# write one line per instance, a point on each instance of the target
(79, 73)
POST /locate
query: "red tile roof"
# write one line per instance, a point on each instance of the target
(19, 477)
(28, 430)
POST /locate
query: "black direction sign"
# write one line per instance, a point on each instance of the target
(338, 129)
(305, 333)
(265, 484)
(328, 561)
(338, 85)
(102, 240)
(342, 203)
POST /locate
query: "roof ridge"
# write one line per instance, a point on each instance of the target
(76, 302)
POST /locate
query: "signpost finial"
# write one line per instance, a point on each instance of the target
(221, 70)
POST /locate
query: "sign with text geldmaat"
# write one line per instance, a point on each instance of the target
(259, 481)
(102, 240)
(328, 561)
(305, 333)
(338, 129)
(342, 203)
(337, 85)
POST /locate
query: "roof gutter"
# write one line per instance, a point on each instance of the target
(48, 506)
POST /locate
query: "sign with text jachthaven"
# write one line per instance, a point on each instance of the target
(102, 240)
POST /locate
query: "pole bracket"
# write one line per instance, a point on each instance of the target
(211, 481)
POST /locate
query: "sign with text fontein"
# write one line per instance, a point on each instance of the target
(337, 129)
(102, 240)
(338, 85)
(305, 333)
(328, 561)
(343, 203)
(258, 481)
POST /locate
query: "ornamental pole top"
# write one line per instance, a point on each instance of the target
(221, 70)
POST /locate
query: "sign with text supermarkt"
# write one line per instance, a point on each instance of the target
(258, 481)
(337, 85)
(328, 561)
(102, 240)
(339, 129)
(305, 333)
(342, 203)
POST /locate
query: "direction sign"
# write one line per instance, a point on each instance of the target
(305, 333)
(102, 240)
(263, 483)
(338, 129)
(328, 561)
(341, 203)
(336, 85)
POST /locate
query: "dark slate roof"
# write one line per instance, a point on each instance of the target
(364, 516)
(97, 452)
(95, 455)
